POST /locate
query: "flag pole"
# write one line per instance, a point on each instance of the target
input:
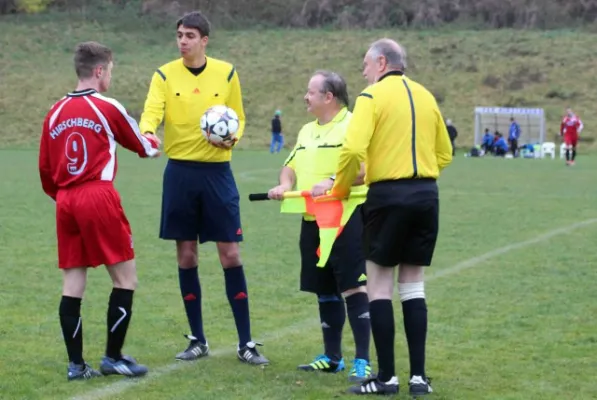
(299, 193)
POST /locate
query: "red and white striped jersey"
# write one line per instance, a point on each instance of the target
(78, 141)
(571, 125)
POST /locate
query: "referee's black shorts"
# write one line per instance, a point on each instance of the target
(345, 268)
(401, 222)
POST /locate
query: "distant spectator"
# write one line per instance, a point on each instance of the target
(452, 132)
(500, 145)
(277, 137)
(487, 142)
(513, 135)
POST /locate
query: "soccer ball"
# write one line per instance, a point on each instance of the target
(219, 124)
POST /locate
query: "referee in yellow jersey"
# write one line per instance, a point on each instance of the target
(200, 200)
(340, 285)
(398, 128)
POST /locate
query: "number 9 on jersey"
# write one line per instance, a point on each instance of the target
(219, 124)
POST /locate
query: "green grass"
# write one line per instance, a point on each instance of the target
(513, 326)
(551, 69)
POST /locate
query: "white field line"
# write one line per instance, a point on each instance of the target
(118, 387)
(125, 384)
(475, 261)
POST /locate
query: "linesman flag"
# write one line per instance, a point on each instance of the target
(331, 214)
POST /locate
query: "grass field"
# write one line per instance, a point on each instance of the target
(464, 69)
(511, 293)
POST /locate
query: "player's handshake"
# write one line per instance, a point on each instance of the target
(155, 143)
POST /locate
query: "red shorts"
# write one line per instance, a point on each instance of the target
(91, 226)
(571, 139)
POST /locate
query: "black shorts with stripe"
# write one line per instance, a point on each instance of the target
(401, 222)
(345, 268)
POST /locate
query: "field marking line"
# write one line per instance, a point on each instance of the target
(549, 196)
(118, 387)
(473, 262)
(124, 384)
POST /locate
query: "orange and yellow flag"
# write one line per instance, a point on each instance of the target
(331, 215)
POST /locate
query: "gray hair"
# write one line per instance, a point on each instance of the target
(394, 53)
(335, 84)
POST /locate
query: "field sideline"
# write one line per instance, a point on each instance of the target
(509, 293)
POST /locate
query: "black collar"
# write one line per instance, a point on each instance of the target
(390, 73)
(198, 70)
(79, 93)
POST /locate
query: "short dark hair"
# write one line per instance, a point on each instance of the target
(335, 84)
(195, 20)
(88, 55)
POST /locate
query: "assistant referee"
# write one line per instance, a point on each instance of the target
(340, 285)
(398, 128)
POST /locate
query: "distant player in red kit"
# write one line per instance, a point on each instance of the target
(570, 129)
(77, 166)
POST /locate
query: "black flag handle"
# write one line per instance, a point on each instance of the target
(258, 197)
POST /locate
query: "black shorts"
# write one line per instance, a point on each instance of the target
(401, 222)
(200, 201)
(345, 268)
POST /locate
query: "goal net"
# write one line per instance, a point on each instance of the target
(530, 120)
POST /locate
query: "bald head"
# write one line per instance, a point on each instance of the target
(394, 54)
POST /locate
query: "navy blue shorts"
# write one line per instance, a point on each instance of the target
(200, 201)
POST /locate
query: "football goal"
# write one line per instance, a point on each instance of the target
(530, 120)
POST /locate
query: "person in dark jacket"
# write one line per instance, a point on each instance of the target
(277, 137)
(453, 134)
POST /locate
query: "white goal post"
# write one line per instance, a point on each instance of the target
(530, 120)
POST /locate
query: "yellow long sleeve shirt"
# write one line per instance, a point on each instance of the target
(179, 98)
(398, 129)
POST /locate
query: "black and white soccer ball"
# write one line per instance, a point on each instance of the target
(219, 124)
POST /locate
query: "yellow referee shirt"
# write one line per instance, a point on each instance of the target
(180, 98)
(398, 127)
(315, 154)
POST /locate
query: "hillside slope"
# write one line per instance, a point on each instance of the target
(551, 70)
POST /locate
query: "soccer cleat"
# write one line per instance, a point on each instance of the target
(126, 366)
(250, 355)
(419, 386)
(195, 350)
(374, 386)
(324, 364)
(361, 370)
(81, 371)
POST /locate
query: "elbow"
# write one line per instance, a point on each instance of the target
(352, 154)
